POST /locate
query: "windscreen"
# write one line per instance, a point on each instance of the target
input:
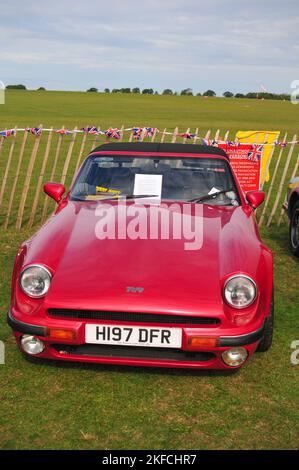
(175, 178)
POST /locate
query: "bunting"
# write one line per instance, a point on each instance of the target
(143, 132)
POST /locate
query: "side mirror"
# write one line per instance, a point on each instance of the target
(255, 198)
(54, 190)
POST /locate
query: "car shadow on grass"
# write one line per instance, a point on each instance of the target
(131, 369)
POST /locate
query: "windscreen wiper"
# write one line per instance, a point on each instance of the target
(138, 196)
(126, 196)
(207, 197)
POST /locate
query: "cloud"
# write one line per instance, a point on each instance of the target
(147, 44)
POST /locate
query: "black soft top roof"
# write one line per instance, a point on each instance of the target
(157, 147)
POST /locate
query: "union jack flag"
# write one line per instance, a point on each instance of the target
(90, 130)
(63, 132)
(149, 131)
(281, 144)
(208, 142)
(255, 154)
(187, 135)
(114, 133)
(34, 130)
(137, 132)
(7, 133)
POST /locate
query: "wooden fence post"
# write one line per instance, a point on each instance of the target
(40, 179)
(274, 208)
(68, 157)
(27, 181)
(2, 142)
(174, 137)
(57, 154)
(95, 140)
(7, 168)
(14, 186)
(81, 151)
(187, 132)
(217, 134)
(208, 133)
(271, 184)
(154, 135)
(163, 136)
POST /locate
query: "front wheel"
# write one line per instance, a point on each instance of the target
(294, 230)
(267, 337)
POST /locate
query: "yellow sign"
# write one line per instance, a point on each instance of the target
(260, 137)
(100, 189)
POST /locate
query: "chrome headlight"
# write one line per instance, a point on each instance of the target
(35, 280)
(240, 291)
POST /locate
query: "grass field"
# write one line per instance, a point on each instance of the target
(70, 109)
(62, 406)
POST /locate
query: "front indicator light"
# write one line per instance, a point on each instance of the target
(234, 357)
(202, 342)
(32, 345)
(58, 333)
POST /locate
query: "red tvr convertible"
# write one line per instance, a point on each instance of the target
(153, 258)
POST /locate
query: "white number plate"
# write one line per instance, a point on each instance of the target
(134, 336)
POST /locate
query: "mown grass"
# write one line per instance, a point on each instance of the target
(72, 406)
(62, 406)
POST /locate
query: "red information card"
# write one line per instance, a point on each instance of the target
(245, 160)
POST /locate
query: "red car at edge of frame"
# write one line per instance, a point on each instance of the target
(146, 302)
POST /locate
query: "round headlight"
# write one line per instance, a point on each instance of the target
(35, 280)
(32, 345)
(240, 291)
(234, 357)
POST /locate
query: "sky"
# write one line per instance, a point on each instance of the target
(209, 44)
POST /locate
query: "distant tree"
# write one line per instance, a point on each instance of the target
(228, 94)
(92, 90)
(136, 90)
(125, 90)
(156, 92)
(198, 94)
(252, 95)
(41, 88)
(187, 92)
(209, 93)
(239, 95)
(15, 87)
(148, 91)
(167, 91)
(115, 90)
(106, 90)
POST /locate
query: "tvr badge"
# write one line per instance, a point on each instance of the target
(135, 290)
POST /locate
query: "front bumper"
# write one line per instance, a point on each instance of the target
(209, 358)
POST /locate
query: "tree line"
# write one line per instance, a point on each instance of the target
(170, 92)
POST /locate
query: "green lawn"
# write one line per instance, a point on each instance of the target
(31, 108)
(56, 405)
(68, 406)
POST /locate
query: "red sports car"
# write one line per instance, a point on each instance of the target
(153, 258)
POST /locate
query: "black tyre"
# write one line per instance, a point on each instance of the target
(294, 230)
(267, 338)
